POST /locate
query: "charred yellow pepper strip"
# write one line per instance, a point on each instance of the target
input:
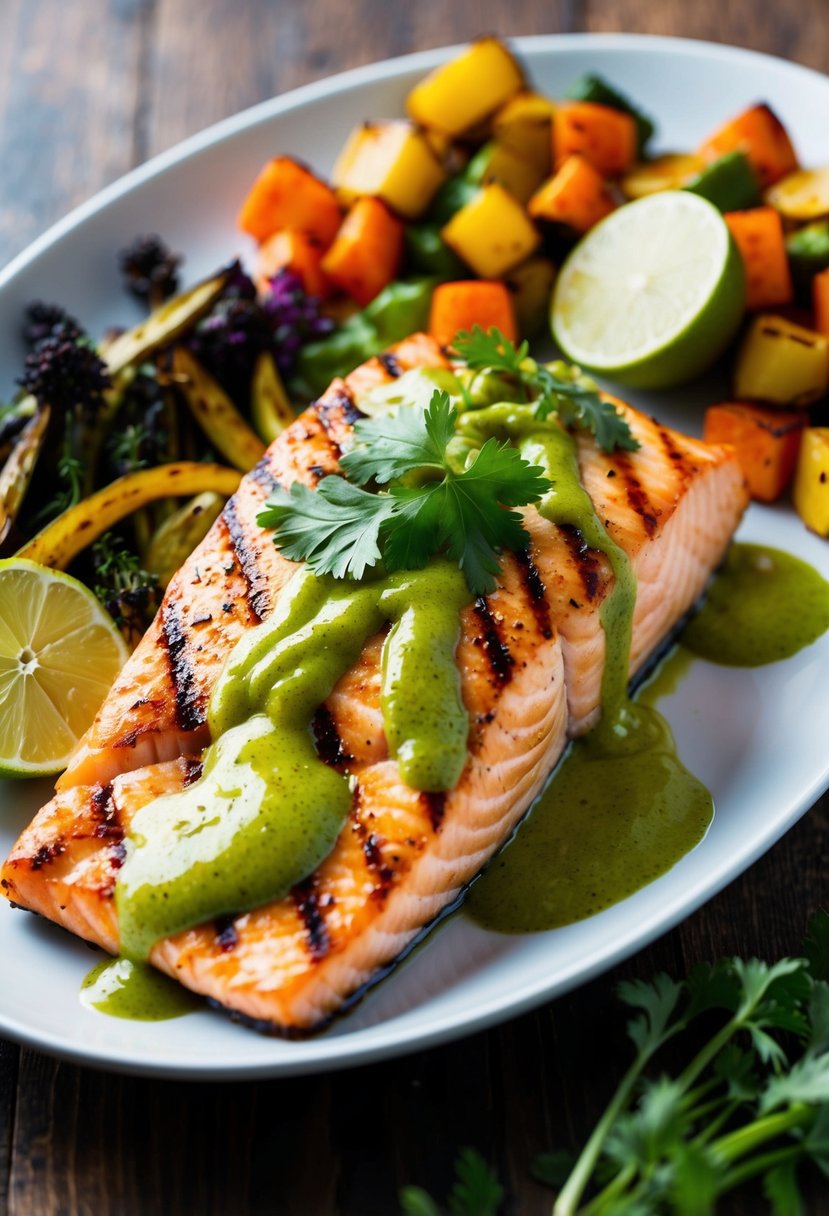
(164, 324)
(17, 471)
(270, 406)
(215, 413)
(63, 539)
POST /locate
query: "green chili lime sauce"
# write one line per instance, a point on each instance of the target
(763, 605)
(267, 811)
(126, 989)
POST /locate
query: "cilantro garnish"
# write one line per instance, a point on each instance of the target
(342, 529)
(575, 404)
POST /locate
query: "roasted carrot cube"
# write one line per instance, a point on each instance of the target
(366, 252)
(298, 252)
(457, 306)
(761, 135)
(576, 195)
(287, 195)
(767, 442)
(602, 135)
(759, 237)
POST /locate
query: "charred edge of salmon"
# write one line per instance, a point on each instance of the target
(391, 364)
(310, 907)
(329, 745)
(337, 408)
(247, 555)
(536, 592)
(636, 495)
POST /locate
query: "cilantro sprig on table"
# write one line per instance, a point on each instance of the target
(429, 505)
(575, 404)
(750, 1101)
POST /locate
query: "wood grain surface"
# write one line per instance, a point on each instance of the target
(88, 89)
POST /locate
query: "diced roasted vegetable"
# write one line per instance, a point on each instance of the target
(590, 87)
(781, 363)
(367, 250)
(270, 407)
(491, 233)
(215, 413)
(803, 195)
(16, 473)
(808, 252)
(459, 306)
(391, 160)
(730, 183)
(820, 301)
(497, 163)
(668, 172)
(299, 254)
(811, 482)
(166, 323)
(524, 125)
(428, 253)
(462, 93)
(178, 536)
(759, 237)
(63, 539)
(767, 442)
(287, 195)
(576, 195)
(400, 309)
(603, 136)
(530, 285)
(760, 134)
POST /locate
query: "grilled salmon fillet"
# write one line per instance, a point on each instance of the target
(531, 657)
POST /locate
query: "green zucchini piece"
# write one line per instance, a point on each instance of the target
(729, 183)
(808, 250)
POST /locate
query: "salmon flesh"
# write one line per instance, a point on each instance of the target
(531, 657)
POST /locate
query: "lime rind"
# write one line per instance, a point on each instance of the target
(653, 294)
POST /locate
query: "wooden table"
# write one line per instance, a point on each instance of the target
(89, 89)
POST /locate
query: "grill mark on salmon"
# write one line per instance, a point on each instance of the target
(189, 702)
(227, 938)
(307, 901)
(494, 646)
(259, 598)
(336, 408)
(536, 591)
(110, 827)
(586, 561)
(636, 495)
(435, 803)
(263, 475)
(330, 747)
(47, 853)
(391, 364)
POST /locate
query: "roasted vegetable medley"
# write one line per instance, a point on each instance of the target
(118, 455)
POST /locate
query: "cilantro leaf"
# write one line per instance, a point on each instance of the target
(389, 447)
(576, 404)
(658, 1001)
(414, 1201)
(477, 1192)
(335, 528)
(781, 1189)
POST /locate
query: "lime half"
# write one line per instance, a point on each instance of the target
(59, 653)
(652, 294)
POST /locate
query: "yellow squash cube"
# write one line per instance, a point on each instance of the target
(391, 160)
(811, 481)
(499, 163)
(455, 97)
(525, 124)
(530, 285)
(668, 172)
(781, 363)
(492, 233)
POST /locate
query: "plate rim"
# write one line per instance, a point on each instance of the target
(336, 1052)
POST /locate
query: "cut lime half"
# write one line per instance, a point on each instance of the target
(59, 653)
(653, 294)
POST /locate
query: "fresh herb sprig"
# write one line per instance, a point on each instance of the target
(751, 1103)
(475, 1192)
(431, 505)
(574, 402)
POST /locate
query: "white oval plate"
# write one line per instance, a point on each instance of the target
(756, 737)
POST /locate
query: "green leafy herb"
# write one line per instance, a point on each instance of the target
(475, 1192)
(576, 402)
(752, 1103)
(431, 505)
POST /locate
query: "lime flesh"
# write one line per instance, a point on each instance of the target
(653, 294)
(59, 653)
